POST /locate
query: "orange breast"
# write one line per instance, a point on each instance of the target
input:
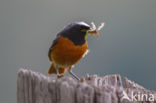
(65, 53)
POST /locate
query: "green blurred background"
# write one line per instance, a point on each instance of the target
(127, 44)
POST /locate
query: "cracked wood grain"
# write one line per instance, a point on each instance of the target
(33, 87)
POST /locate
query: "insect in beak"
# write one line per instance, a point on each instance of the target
(95, 31)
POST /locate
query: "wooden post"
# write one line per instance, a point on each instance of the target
(33, 87)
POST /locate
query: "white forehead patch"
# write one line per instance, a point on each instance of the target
(83, 23)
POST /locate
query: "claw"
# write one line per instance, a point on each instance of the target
(60, 76)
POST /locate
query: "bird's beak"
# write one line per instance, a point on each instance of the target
(84, 30)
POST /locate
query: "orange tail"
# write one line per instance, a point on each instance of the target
(52, 70)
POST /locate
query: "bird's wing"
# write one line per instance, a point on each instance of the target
(53, 44)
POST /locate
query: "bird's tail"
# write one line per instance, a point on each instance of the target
(52, 70)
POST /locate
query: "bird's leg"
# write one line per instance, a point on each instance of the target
(70, 72)
(57, 73)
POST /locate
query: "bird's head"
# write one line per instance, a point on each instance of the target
(76, 32)
(81, 28)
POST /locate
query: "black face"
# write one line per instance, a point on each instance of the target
(75, 32)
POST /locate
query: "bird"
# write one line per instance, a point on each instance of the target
(68, 47)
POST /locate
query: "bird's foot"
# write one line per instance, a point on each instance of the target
(60, 76)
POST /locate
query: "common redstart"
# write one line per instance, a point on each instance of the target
(69, 46)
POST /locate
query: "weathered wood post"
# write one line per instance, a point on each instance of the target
(34, 87)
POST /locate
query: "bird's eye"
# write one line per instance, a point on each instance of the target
(81, 27)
